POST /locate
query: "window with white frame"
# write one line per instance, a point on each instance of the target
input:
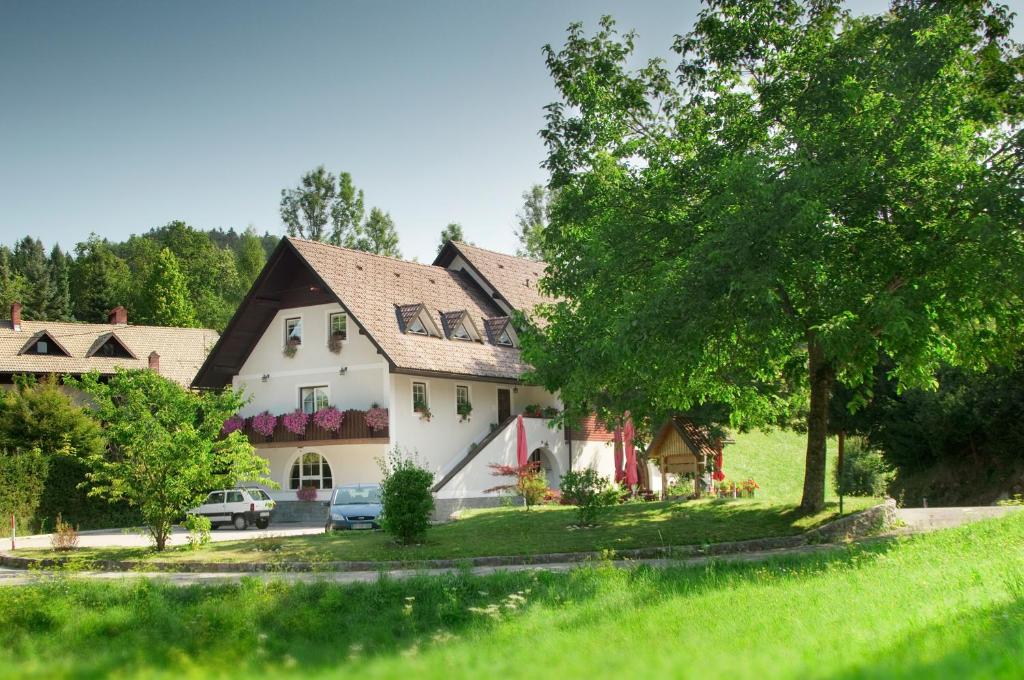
(293, 331)
(416, 326)
(337, 326)
(310, 470)
(505, 339)
(460, 333)
(419, 397)
(462, 399)
(312, 399)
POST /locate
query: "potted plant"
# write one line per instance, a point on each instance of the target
(296, 421)
(532, 410)
(306, 493)
(335, 342)
(291, 347)
(235, 422)
(329, 418)
(420, 406)
(376, 418)
(264, 424)
(464, 409)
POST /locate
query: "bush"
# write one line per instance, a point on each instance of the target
(198, 530)
(530, 483)
(405, 497)
(864, 473)
(65, 536)
(22, 475)
(589, 492)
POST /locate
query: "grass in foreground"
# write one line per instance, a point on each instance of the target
(945, 605)
(514, 531)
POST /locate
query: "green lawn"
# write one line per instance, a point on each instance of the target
(943, 605)
(514, 531)
(775, 460)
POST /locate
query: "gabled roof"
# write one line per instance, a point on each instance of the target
(380, 294)
(181, 350)
(103, 339)
(40, 335)
(696, 437)
(513, 278)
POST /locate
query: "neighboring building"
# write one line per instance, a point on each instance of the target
(62, 348)
(328, 326)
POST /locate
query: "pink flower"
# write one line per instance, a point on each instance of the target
(329, 418)
(264, 423)
(376, 418)
(295, 422)
(235, 422)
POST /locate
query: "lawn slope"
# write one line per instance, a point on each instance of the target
(949, 604)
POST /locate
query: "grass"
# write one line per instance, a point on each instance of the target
(775, 460)
(513, 531)
(943, 605)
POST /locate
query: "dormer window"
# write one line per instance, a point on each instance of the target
(500, 332)
(504, 339)
(110, 346)
(460, 332)
(416, 326)
(459, 326)
(415, 319)
(43, 344)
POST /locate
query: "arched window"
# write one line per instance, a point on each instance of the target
(310, 470)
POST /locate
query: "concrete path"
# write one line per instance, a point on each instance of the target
(139, 538)
(17, 577)
(929, 519)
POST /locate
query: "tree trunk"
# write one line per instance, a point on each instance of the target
(821, 375)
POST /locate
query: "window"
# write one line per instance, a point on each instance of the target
(461, 397)
(42, 347)
(416, 326)
(337, 326)
(293, 331)
(505, 339)
(460, 332)
(235, 497)
(215, 498)
(113, 348)
(312, 399)
(419, 397)
(310, 470)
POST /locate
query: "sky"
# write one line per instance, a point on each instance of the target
(116, 117)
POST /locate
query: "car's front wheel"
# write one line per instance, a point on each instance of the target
(262, 523)
(240, 522)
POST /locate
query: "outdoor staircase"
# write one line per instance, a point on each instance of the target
(305, 512)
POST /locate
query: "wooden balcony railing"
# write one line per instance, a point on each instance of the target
(353, 427)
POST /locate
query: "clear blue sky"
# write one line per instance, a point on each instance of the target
(116, 117)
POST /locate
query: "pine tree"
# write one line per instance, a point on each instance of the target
(100, 280)
(378, 235)
(12, 285)
(166, 300)
(30, 262)
(250, 259)
(60, 284)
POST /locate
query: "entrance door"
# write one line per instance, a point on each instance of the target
(504, 404)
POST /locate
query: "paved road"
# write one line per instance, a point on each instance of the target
(133, 538)
(928, 519)
(16, 577)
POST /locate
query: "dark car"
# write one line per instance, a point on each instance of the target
(355, 506)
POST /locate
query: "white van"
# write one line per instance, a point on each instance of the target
(239, 507)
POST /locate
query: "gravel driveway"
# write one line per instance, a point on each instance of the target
(137, 537)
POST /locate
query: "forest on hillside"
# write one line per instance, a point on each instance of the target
(174, 275)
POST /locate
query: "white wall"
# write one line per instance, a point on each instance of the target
(350, 464)
(364, 382)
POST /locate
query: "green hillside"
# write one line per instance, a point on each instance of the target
(775, 460)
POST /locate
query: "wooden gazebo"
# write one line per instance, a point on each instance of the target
(680, 446)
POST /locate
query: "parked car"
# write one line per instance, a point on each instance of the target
(238, 507)
(355, 506)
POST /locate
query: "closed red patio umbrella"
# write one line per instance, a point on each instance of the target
(619, 474)
(522, 456)
(631, 472)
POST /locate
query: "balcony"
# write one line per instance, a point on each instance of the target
(353, 430)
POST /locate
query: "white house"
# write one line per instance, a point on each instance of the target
(328, 326)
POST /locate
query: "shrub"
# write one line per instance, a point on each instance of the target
(864, 473)
(530, 483)
(198, 530)
(65, 536)
(22, 475)
(589, 492)
(405, 497)
(306, 493)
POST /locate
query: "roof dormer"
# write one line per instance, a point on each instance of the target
(45, 344)
(500, 332)
(414, 319)
(110, 346)
(459, 326)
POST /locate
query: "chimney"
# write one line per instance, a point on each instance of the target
(154, 362)
(118, 316)
(16, 315)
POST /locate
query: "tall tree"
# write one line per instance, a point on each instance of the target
(60, 285)
(347, 213)
(166, 300)
(100, 280)
(808, 191)
(251, 258)
(29, 260)
(378, 235)
(532, 219)
(306, 209)
(12, 284)
(451, 232)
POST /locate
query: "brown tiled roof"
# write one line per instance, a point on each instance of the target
(182, 350)
(374, 288)
(697, 437)
(515, 278)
